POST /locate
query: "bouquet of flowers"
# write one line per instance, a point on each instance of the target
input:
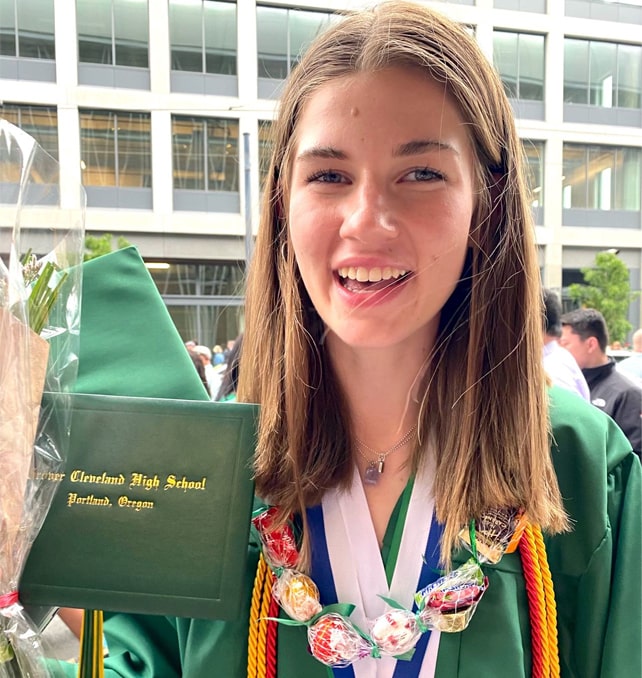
(39, 328)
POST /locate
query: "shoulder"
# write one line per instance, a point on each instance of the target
(583, 433)
(592, 457)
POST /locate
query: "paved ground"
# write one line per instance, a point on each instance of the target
(59, 642)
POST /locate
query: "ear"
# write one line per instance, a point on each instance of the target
(592, 344)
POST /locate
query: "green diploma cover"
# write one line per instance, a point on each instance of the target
(152, 512)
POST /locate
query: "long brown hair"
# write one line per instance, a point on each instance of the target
(488, 420)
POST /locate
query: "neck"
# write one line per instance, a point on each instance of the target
(381, 390)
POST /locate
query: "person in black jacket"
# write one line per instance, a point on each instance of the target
(585, 335)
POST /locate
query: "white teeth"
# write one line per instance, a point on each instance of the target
(375, 274)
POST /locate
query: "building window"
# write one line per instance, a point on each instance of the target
(601, 177)
(27, 29)
(202, 36)
(602, 74)
(115, 149)
(283, 35)
(114, 32)
(41, 122)
(519, 59)
(205, 153)
(205, 300)
(534, 151)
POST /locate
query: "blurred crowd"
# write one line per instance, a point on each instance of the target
(217, 367)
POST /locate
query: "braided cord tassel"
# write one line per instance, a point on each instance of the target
(255, 619)
(551, 606)
(266, 598)
(541, 604)
(271, 662)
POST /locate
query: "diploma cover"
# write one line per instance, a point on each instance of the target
(153, 512)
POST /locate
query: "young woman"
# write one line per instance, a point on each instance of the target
(393, 340)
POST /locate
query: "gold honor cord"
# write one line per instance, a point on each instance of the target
(91, 664)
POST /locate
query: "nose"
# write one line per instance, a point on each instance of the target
(368, 214)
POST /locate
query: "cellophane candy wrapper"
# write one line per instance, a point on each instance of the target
(396, 632)
(297, 594)
(449, 603)
(335, 642)
(497, 532)
(39, 331)
(279, 543)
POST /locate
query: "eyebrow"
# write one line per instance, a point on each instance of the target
(418, 146)
(415, 147)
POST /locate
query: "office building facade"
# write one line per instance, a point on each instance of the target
(162, 109)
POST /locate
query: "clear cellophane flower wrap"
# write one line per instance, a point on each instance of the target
(39, 332)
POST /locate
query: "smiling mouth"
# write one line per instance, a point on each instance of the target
(361, 279)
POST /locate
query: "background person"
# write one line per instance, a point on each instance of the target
(560, 365)
(585, 335)
(631, 367)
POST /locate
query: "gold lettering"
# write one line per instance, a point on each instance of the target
(88, 500)
(182, 483)
(80, 476)
(50, 475)
(137, 505)
(144, 481)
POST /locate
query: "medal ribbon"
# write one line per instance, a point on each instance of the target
(344, 543)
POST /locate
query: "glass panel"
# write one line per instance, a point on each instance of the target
(265, 149)
(131, 32)
(574, 176)
(97, 148)
(188, 152)
(534, 151)
(8, 28)
(601, 175)
(303, 27)
(36, 29)
(41, 122)
(200, 279)
(222, 155)
(629, 76)
(220, 37)
(602, 74)
(506, 61)
(531, 67)
(272, 42)
(94, 19)
(576, 71)
(210, 324)
(134, 150)
(628, 179)
(186, 35)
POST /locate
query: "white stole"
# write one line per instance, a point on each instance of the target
(358, 570)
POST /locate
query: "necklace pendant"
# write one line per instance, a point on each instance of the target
(372, 473)
(380, 462)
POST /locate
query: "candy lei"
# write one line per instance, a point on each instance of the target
(446, 605)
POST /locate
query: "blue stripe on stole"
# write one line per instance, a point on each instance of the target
(321, 573)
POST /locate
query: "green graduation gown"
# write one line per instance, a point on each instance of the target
(596, 572)
(596, 568)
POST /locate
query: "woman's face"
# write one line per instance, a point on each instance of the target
(380, 206)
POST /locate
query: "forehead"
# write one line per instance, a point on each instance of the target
(398, 103)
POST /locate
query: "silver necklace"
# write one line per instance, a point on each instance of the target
(375, 467)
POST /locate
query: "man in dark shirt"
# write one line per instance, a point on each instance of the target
(584, 334)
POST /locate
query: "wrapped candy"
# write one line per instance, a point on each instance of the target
(449, 603)
(298, 595)
(497, 532)
(335, 642)
(396, 632)
(279, 544)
